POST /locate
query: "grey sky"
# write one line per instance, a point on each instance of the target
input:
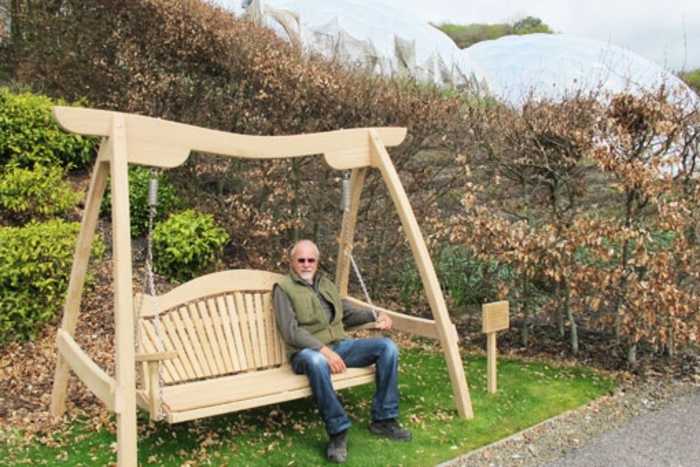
(665, 31)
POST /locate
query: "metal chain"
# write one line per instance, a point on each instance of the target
(345, 207)
(359, 278)
(150, 279)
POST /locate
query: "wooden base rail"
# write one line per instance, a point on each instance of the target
(99, 382)
(405, 323)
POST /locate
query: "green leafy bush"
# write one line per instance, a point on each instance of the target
(38, 193)
(139, 178)
(29, 134)
(187, 244)
(35, 264)
(464, 278)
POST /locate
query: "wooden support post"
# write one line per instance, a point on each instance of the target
(491, 362)
(347, 232)
(123, 295)
(81, 257)
(494, 318)
(448, 338)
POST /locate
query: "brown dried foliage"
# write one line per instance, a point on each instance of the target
(594, 208)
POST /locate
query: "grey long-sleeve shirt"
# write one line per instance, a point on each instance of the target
(301, 338)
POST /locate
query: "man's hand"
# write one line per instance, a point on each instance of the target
(383, 322)
(334, 361)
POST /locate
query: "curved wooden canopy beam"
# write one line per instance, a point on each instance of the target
(163, 143)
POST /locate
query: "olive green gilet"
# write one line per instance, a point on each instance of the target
(308, 309)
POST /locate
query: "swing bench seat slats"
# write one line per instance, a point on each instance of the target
(241, 391)
(213, 343)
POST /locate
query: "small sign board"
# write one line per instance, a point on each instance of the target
(495, 316)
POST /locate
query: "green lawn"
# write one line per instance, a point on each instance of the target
(291, 434)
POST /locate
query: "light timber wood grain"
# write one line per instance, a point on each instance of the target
(194, 331)
(211, 285)
(495, 317)
(258, 401)
(217, 391)
(248, 350)
(81, 257)
(491, 362)
(154, 357)
(150, 345)
(123, 293)
(162, 143)
(460, 390)
(222, 344)
(154, 390)
(237, 336)
(252, 328)
(403, 322)
(228, 333)
(210, 336)
(185, 333)
(172, 331)
(259, 312)
(99, 382)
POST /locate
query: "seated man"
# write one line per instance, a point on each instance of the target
(312, 318)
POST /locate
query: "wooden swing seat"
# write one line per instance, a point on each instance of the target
(218, 349)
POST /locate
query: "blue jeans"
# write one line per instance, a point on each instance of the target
(355, 353)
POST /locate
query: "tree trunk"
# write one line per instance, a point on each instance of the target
(632, 354)
(295, 184)
(525, 330)
(14, 14)
(670, 345)
(560, 319)
(572, 321)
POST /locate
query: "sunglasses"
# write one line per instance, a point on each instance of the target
(306, 260)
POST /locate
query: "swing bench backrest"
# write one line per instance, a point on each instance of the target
(216, 325)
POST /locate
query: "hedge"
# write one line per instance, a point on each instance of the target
(29, 134)
(38, 193)
(35, 264)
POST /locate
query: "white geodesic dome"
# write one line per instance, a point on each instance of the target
(371, 34)
(553, 66)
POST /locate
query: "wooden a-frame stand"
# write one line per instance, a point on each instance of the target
(132, 139)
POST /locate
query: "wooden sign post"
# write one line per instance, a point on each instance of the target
(495, 318)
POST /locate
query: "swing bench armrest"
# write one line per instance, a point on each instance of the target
(155, 356)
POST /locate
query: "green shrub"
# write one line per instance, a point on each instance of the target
(139, 178)
(187, 244)
(29, 134)
(35, 264)
(38, 193)
(464, 278)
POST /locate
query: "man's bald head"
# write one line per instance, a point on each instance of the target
(303, 259)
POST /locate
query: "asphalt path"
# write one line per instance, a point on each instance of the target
(668, 437)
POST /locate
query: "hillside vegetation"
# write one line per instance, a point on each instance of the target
(466, 35)
(692, 79)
